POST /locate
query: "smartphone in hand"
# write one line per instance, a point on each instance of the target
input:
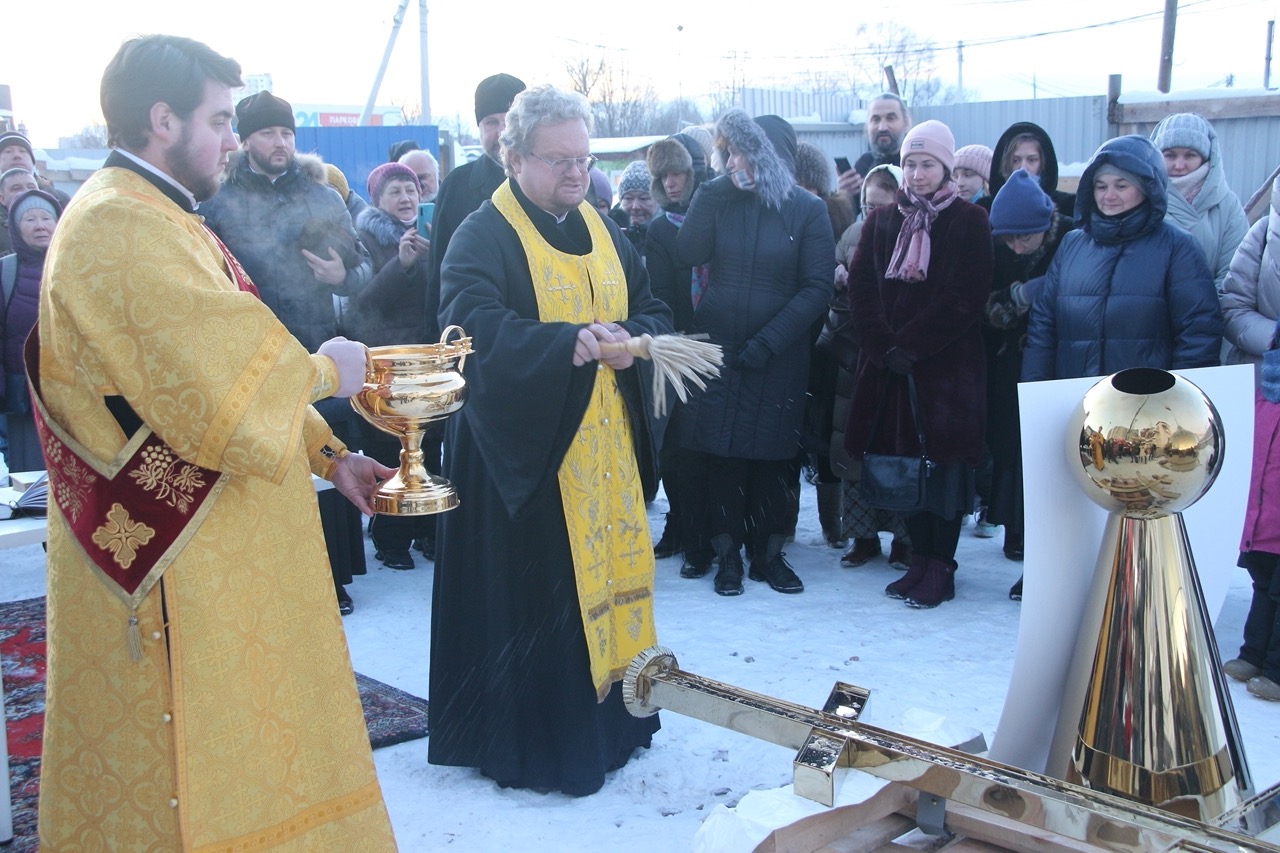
(426, 211)
(842, 165)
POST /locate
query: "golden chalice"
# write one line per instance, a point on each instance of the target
(405, 389)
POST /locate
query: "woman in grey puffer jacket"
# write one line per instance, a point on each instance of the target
(770, 247)
(1251, 292)
(1199, 198)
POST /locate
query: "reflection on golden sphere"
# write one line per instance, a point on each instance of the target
(1145, 443)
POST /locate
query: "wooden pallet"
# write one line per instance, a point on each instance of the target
(876, 824)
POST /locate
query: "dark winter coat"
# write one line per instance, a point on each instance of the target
(17, 319)
(266, 225)
(391, 309)
(1065, 202)
(771, 254)
(1004, 345)
(937, 322)
(461, 193)
(510, 685)
(1126, 291)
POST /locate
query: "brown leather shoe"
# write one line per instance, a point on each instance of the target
(861, 552)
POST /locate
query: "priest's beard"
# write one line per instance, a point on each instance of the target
(184, 170)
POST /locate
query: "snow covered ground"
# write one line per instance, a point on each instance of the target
(953, 661)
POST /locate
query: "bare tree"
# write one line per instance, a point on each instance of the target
(584, 73)
(91, 136)
(912, 57)
(410, 111)
(674, 116)
(460, 128)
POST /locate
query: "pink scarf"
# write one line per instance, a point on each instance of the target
(910, 261)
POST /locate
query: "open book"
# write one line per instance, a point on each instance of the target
(32, 502)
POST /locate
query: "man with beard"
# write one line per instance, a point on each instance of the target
(544, 584)
(197, 667)
(888, 121)
(294, 235)
(424, 165)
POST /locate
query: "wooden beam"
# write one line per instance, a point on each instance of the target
(1210, 108)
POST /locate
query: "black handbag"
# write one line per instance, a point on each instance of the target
(897, 483)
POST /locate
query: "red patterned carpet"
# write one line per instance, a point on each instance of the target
(392, 715)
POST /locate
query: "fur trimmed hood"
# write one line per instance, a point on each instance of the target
(310, 165)
(768, 143)
(384, 228)
(675, 154)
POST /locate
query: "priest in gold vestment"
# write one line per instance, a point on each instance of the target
(212, 706)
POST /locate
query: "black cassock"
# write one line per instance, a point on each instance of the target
(511, 689)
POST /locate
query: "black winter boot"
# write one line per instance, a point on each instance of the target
(937, 586)
(829, 515)
(772, 567)
(668, 545)
(728, 579)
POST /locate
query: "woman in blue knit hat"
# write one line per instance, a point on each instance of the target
(1026, 229)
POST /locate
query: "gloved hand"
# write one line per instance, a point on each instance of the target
(1023, 294)
(898, 360)
(754, 354)
(1001, 312)
(350, 357)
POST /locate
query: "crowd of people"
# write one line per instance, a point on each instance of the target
(892, 313)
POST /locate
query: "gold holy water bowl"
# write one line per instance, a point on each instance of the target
(406, 388)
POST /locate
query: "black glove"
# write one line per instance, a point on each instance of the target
(754, 355)
(898, 360)
(1001, 313)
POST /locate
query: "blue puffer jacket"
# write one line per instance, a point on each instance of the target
(1125, 291)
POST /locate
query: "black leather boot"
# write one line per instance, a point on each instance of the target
(729, 577)
(772, 567)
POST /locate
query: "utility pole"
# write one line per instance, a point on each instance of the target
(422, 50)
(396, 21)
(960, 68)
(1164, 78)
(1266, 73)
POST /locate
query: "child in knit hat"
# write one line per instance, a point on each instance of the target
(972, 171)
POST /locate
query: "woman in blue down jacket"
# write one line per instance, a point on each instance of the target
(1128, 289)
(771, 252)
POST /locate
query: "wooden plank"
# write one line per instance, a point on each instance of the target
(811, 833)
(873, 838)
(1009, 834)
(1210, 108)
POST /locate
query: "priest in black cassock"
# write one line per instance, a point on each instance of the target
(544, 574)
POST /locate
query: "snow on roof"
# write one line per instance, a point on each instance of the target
(622, 144)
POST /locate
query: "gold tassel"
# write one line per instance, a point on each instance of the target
(677, 359)
(134, 638)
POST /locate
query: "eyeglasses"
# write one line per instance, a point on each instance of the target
(565, 164)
